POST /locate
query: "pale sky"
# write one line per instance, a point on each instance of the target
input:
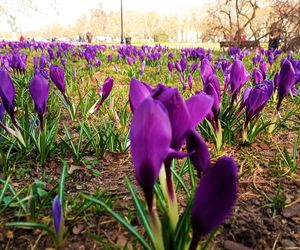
(46, 12)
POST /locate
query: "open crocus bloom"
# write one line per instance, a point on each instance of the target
(180, 116)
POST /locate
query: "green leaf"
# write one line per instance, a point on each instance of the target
(120, 219)
(5, 186)
(141, 211)
(33, 225)
(61, 187)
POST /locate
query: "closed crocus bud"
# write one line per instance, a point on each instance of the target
(7, 93)
(258, 98)
(206, 69)
(129, 61)
(238, 77)
(142, 68)
(105, 89)
(214, 198)
(194, 67)
(276, 80)
(286, 79)
(190, 81)
(57, 75)
(178, 67)
(109, 58)
(182, 82)
(57, 213)
(58, 218)
(170, 66)
(39, 90)
(183, 64)
(271, 58)
(257, 76)
(263, 69)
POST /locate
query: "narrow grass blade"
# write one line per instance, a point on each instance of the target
(140, 210)
(129, 227)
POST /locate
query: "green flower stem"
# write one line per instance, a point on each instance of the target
(156, 228)
(219, 137)
(172, 206)
(273, 122)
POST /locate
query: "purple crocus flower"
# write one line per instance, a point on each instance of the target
(57, 75)
(257, 76)
(142, 68)
(178, 67)
(206, 69)
(104, 91)
(263, 69)
(39, 90)
(109, 58)
(129, 61)
(182, 115)
(170, 67)
(194, 67)
(182, 82)
(238, 78)
(57, 215)
(7, 93)
(257, 99)
(183, 64)
(271, 58)
(2, 111)
(244, 100)
(149, 150)
(190, 81)
(286, 80)
(214, 198)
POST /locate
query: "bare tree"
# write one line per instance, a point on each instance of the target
(287, 14)
(231, 18)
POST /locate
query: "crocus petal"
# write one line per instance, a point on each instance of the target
(213, 79)
(39, 90)
(57, 213)
(2, 112)
(286, 80)
(150, 138)
(238, 76)
(178, 113)
(199, 106)
(57, 75)
(210, 90)
(257, 76)
(215, 196)
(200, 156)
(7, 93)
(206, 69)
(106, 88)
(138, 92)
(263, 68)
(258, 98)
